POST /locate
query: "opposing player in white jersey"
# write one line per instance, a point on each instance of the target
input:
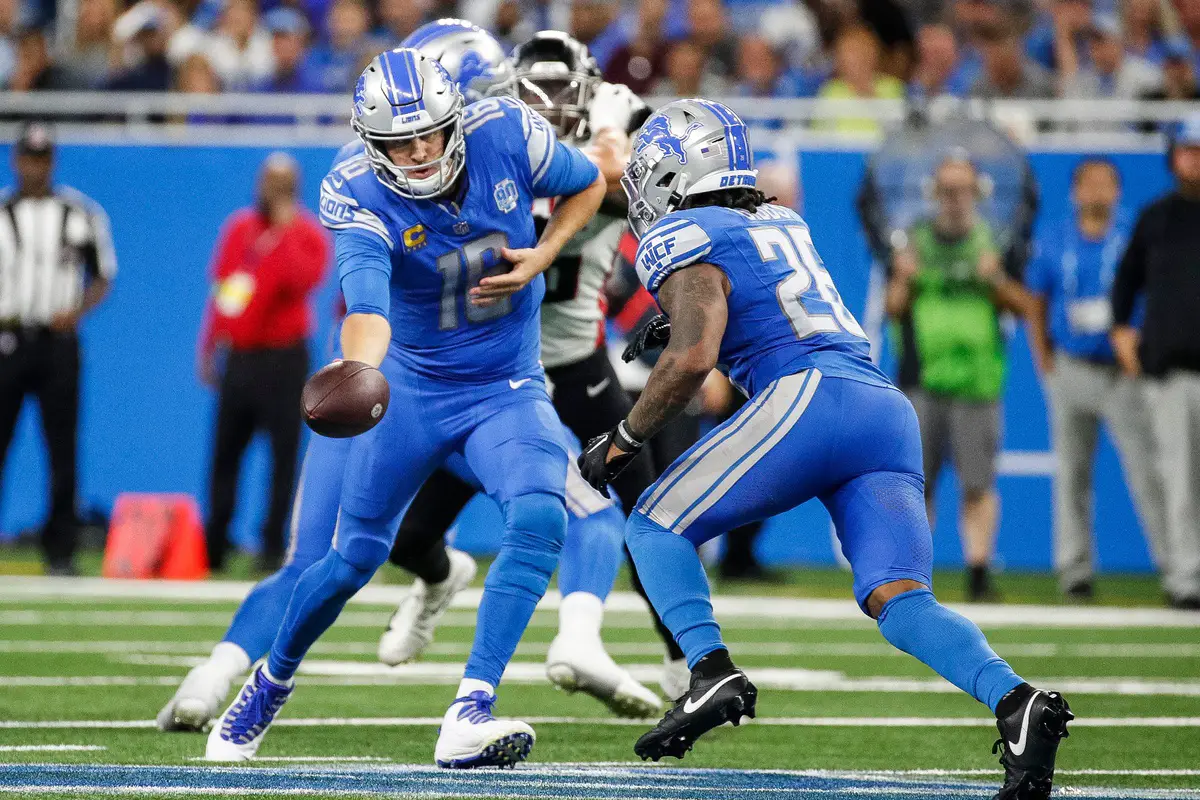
(555, 75)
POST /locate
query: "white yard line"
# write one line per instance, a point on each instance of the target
(318, 671)
(1138, 650)
(726, 606)
(50, 748)
(608, 722)
(314, 759)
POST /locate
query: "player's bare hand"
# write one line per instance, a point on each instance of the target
(528, 263)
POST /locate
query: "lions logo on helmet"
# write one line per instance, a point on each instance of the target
(711, 153)
(471, 56)
(402, 96)
(657, 130)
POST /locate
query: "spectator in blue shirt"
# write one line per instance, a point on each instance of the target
(289, 37)
(336, 62)
(1069, 322)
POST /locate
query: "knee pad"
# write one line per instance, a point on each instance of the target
(540, 516)
(363, 543)
(345, 574)
(536, 525)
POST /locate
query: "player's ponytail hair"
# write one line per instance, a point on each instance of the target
(742, 198)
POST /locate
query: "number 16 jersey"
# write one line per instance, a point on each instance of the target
(785, 314)
(437, 250)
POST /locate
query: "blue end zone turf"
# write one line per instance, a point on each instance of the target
(627, 783)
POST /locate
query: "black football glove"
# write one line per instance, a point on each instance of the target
(594, 463)
(651, 336)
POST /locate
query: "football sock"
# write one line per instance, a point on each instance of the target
(257, 619)
(230, 659)
(581, 614)
(468, 685)
(320, 594)
(592, 553)
(715, 663)
(674, 652)
(949, 643)
(535, 526)
(675, 582)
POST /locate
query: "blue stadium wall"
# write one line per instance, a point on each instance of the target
(146, 419)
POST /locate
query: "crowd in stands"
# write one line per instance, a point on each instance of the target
(718, 48)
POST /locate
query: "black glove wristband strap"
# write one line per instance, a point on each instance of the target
(625, 440)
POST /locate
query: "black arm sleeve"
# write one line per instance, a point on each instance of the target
(1131, 273)
(870, 215)
(1019, 250)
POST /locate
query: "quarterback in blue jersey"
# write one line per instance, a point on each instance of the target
(441, 271)
(743, 286)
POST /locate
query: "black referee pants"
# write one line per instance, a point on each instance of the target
(39, 362)
(260, 391)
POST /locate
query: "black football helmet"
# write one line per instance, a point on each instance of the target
(555, 75)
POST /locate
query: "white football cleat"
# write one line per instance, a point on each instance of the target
(580, 664)
(471, 737)
(411, 628)
(240, 731)
(676, 678)
(197, 701)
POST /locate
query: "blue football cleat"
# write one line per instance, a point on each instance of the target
(238, 733)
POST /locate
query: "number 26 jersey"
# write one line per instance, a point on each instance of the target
(440, 249)
(785, 314)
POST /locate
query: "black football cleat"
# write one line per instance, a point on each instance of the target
(1027, 745)
(708, 703)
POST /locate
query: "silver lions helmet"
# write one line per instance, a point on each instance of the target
(401, 96)
(472, 56)
(687, 147)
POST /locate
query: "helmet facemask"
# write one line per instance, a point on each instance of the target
(650, 197)
(559, 94)
(449, 164)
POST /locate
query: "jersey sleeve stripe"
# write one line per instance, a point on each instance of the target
(379, 230)
(540, 129)
(475, 122)
(673, 225)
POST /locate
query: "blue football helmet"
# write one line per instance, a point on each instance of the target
(403, 95)
(471, 56)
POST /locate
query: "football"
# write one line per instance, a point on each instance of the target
(344, 399)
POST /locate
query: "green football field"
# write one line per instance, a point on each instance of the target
(85, 665)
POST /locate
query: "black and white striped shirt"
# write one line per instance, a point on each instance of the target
(50, 248)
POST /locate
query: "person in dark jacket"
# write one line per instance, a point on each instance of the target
(1162, 264)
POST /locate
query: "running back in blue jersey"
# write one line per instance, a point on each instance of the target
(439, 250)
(785, 314)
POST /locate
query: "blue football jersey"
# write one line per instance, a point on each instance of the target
(440, 250)
(785, 314)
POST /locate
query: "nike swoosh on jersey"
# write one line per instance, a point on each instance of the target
(690, 708)
(518, 384)
(1018, 747)
(594, 391)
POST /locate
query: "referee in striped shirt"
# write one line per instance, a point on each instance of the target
(56, 265)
